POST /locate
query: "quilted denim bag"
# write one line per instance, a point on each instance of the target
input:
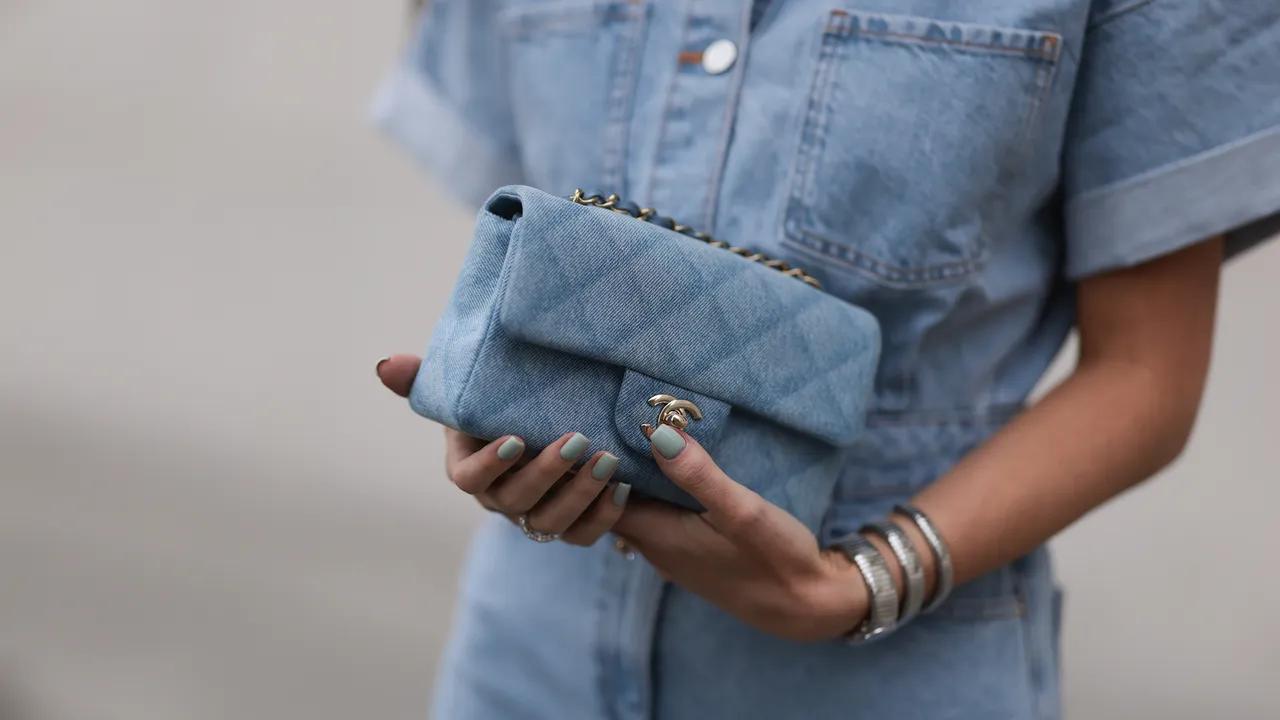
(568, 317)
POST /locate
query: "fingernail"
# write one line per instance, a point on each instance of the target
(573, 447)
(604, 467)
(377, 369)
(667, 440)
(620, 493)
(511, 448)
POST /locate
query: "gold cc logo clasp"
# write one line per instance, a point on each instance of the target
(673, 411)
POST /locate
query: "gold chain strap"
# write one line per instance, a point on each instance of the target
(616, 204)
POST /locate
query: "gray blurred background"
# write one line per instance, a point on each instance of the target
(209, 508)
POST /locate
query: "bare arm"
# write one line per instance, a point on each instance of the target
(1123, 414)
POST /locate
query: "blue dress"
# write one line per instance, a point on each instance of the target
(952, 167)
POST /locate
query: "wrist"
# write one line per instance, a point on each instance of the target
(846, 592)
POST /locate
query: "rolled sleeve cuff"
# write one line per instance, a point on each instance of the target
(417, 116)
(1233, 189)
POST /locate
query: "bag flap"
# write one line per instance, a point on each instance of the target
(632, 411)
(606, 286)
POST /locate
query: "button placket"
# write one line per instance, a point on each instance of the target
(684, 180)
(698, 111)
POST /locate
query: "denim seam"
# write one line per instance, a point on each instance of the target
(603, 637)
(668, 105)
(801, 241)
(1003, 607)
(892, 38)
(840, 23)
(1035, 665)
(1045, 76)
(1158, 172)
(621, 97)
(908, 277)
(1114, 13)
(820, 111)
(809, 139)
(797, 177)
(711, 201)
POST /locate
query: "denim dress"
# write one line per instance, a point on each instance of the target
(954, 168)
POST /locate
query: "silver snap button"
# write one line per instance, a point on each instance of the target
(719, 56)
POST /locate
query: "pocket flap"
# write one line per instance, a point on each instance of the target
(606, 286)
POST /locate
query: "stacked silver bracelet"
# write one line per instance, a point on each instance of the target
(912, 568)
(888, 610)
(941, 556)
(882, 616)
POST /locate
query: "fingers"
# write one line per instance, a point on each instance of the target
(397, 372)
(458, 446)
(675, 540)
(556, 513)
(473, 465)
(652, 528)
(600, 516)
(730, 507)
(522, 489)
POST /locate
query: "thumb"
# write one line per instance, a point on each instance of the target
(729, 504)
(397, 372)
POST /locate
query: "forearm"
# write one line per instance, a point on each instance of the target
(1106, 428)
(1124, 413)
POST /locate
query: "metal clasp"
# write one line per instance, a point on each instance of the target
(673, 411)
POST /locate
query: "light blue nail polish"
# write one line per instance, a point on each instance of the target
(573, 447)
(620, 494)
(667, 440)
(510, 449)
(604, 467)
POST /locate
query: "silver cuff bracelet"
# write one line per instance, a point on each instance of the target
(912, 569)
(882, 613)
(941, 556)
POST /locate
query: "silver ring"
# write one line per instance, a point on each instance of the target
(536, 535)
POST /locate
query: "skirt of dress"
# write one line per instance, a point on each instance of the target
(552, 631)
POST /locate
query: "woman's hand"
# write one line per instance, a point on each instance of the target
(578, 505)
(744, 554)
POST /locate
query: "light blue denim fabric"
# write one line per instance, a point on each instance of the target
(952, 167)
(574, 316)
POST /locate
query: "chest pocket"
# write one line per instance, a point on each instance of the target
(573, 73)
(911, 128)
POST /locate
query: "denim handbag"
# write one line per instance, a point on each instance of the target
(568, 317)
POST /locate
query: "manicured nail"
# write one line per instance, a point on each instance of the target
(620, 493)
(667, 440)
(604, 467)
(510, 448)
(377, 369)
(573, 447)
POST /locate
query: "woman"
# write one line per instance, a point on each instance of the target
(982, 177)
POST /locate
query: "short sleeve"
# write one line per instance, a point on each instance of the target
(1174, 132)
(449, 102)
